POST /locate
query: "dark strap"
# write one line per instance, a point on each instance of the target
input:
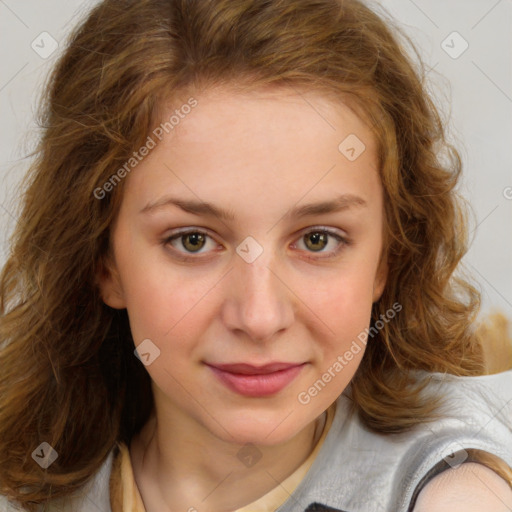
(434, 471)
(318, 507)
(471, 455)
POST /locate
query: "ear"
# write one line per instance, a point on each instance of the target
(380, 278)
(109, 284)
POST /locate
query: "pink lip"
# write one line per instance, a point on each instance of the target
(250, 380)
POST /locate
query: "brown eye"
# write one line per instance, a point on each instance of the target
(188, 242)
(193, 241)
(318, 240)
(326, 243)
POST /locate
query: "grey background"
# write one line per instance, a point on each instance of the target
(474, 91)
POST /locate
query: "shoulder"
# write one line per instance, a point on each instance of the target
(474, 424)
(471, 487)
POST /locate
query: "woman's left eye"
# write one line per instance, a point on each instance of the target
(315, 240)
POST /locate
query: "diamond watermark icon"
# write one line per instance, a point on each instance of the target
(249, 455)
(44, 45)
(44, 455)
(455, 455)
(351, 147)
(249, 249)
(147, 352)
(454, 45)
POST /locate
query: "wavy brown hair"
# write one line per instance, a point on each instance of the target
(69, 376)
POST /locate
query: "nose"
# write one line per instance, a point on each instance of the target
(259, 302)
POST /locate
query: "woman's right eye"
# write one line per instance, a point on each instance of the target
(192, 241)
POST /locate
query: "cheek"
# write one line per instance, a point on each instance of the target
(347, 292)
(347, 310)
(344, 304)
(160, 298)
(162, 306)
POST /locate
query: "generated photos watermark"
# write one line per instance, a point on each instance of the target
(304, 397)
(137, 156)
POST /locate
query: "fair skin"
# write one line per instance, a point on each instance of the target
(470, 487)
(258, 155)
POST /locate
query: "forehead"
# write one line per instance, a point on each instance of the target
(246, 143)
(257, 109)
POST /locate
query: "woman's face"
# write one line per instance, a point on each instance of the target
(265, 276)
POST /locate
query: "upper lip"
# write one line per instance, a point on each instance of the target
(249, 369)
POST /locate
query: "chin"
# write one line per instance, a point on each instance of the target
(260, 429)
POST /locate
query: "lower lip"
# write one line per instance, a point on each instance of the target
(257, 385)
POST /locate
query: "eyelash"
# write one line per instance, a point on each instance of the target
(343, 242)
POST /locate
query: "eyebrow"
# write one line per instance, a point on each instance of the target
(340, 203)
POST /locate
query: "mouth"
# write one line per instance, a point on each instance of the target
(256, 381)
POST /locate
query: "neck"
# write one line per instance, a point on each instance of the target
(179, 465)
